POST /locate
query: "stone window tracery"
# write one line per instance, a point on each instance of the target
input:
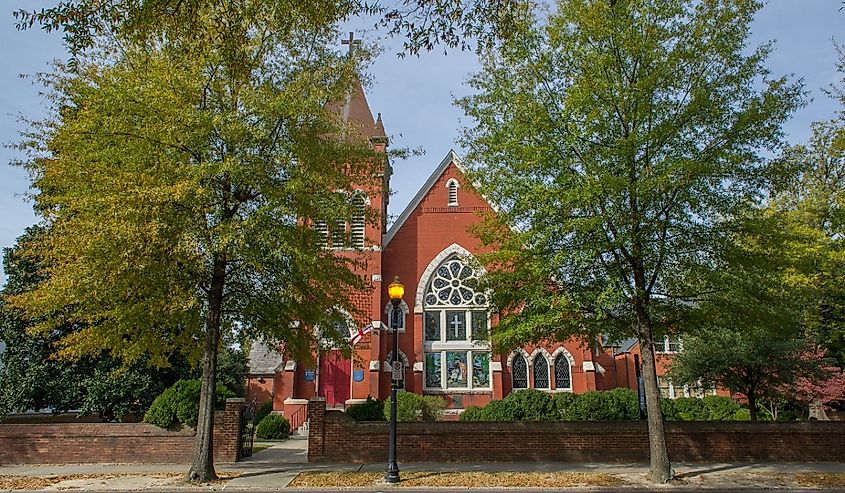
(456, 324)
(541, 373)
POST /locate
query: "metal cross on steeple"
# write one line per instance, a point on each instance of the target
(352, 42)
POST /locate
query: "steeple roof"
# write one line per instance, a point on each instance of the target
(355, 111)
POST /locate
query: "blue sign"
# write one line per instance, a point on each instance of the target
(358, 375)
(310, 375)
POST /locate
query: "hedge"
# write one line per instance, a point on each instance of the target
(413, 407)
(610, 405)
(179, 404)
(372, 410)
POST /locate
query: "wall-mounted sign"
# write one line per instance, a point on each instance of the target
(358, 375)
(310, 375)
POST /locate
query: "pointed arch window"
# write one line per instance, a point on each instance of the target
(541, 373)
(519, 372)
(452, 186)
(456, 324)
(402, 315)
(563, 373)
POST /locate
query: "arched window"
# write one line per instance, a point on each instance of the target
(403, 313)
(563, 378)
(519, 372)
(452, 185)
(455, 319)
(356, 226)
(541, 373)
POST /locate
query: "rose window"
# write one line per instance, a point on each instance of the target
(450, 285)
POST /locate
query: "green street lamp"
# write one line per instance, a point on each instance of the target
(395, 290)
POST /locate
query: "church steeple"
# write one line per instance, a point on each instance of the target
(354, 109)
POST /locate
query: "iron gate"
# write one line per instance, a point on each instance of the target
(247, 431)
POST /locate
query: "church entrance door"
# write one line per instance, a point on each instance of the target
(335, 376)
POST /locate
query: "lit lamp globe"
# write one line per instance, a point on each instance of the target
(396, 290)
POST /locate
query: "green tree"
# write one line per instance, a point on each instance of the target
(813, 193)
(178, 173)
(617, 139)
(423, 23)
(32, 379)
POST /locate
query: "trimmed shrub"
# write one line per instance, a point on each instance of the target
(372, 410)
(263, 410)
(273, 427)
(179, 405)
(413, 407)
(710, 408)
(471, 413)
(609, 405)
(563, 402)
(535, 405)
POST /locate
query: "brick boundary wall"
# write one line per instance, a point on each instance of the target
(72, 443)
(335, 437)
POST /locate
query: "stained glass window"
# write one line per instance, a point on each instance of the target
(432, 370)
(432, 326)
(519, 371)
(541, 373)
(456, 369)
(562, 373)
(480, 369)
(453, 285)
(479, 325)
(456, 329)
(454, 317)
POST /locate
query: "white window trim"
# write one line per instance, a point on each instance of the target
(540, 352)
(663, 348)
(452, 183)
(566, 354)
(442, 345)
(525, 357)
(403, 307)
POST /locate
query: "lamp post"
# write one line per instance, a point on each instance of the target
(395, 290)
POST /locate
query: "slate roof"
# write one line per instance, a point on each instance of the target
(264, 360)
(625, 345)
(356, 111)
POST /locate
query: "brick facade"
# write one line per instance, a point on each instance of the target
(435, 225)
(68, 443)
(334, 437)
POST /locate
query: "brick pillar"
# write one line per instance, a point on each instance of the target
(316, 428)
(227, 434)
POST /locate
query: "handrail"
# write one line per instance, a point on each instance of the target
(298, 417)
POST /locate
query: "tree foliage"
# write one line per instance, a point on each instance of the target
(618, 139)
(179, 173)
(424, 24)
(32, 379)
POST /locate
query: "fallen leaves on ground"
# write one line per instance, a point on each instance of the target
(41, 482)
(458, 479)
(821, 479)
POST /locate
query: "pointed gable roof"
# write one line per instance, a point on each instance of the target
(451, 157)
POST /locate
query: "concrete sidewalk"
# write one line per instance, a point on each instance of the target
(274, 469)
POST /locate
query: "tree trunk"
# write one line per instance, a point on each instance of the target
(752, 404)
(660, 470)
(202, 465)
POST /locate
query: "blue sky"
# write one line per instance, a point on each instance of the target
(414, 94)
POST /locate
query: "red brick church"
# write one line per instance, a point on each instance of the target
(444, 322)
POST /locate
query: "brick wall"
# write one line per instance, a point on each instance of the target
(65, 443)
(334, 437)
